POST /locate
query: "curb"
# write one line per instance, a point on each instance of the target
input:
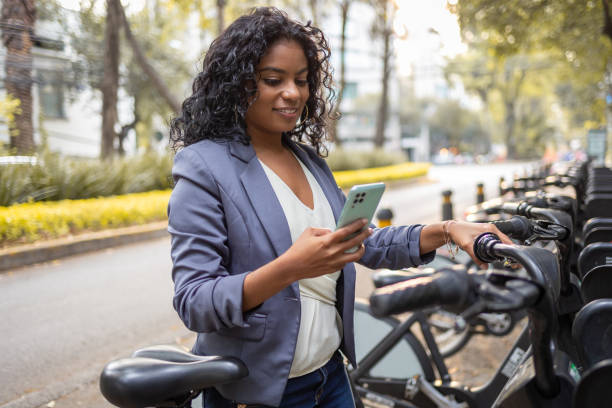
(43, 251)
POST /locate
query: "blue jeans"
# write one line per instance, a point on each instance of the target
(326, 387)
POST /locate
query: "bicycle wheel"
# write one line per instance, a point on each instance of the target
(448, 339)
(406, 359)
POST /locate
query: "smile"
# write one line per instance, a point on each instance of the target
(289, 111)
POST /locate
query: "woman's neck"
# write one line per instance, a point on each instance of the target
(268, 145)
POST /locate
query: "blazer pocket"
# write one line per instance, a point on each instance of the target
(255, 331)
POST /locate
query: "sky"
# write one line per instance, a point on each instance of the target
(417, 18)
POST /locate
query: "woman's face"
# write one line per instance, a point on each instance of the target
(282, 91)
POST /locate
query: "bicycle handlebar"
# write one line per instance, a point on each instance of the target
(516, 227)
(456, 286)
(446, 287)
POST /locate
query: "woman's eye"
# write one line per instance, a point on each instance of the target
(301, 82)
(271, 81)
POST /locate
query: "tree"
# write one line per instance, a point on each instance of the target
(145, 65)
(383, 29)
(148, 34)
(344, 6)
(506, 85)
(17, 21)
(453, 126)
(569, 32)
(110, 80)
(220, 16)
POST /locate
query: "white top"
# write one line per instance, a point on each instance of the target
(320, 324)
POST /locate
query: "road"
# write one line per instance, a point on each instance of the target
(63, 320)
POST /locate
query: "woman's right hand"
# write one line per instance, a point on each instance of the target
(320, 251)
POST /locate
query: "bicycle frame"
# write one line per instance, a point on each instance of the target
(393, 392)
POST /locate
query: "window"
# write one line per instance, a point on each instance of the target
(350, 90)
(51, 93)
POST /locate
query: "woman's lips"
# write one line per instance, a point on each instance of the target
(289, 113)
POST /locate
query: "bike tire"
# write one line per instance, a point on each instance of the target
(406, 359)
(448, 340)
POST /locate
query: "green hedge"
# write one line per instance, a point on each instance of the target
(57, 178)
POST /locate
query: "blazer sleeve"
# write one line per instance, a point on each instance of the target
(206, 296)
(395, 248)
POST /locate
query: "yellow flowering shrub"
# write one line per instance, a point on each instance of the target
(388, 173)
(23, 223)
(29, 222)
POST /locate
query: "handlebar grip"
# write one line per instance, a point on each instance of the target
(483, 246)
(517, 227)
(446, 287)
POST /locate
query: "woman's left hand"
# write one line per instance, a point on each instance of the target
(463, 234)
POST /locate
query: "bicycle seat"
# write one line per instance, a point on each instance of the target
(388, 277)
(597, 283)
(594, 389)
(592, 332)
(138, 382)
(169, 353)
(598, 234)
(595, 223)
(595, 254)
(598, 205)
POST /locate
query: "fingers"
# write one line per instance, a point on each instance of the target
(318, 232)
(342, 233)
(504, 238)
(352, 256)
(357, 240)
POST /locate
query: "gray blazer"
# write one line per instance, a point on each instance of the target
(225, 222)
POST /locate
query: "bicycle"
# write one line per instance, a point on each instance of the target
(536, 291)
(373, 375)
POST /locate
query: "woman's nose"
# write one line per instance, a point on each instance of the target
(290, 92)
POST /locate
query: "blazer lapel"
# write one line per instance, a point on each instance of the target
(262, 198)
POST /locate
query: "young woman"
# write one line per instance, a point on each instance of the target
(258, 272)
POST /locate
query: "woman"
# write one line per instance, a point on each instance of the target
(258, 272)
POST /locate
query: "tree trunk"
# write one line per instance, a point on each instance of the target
(220, 16)
(383, 107)
(18, 17)
(344, 8)
(110, 81)
(607, 28)
(314, 10)
(510, 98)
(144, 64)
(509, 129)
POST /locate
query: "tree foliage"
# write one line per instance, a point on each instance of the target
(534, 62)
(576, 35)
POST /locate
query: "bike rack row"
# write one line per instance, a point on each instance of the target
(564, 358)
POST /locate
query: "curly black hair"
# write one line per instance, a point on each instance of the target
(224, 87)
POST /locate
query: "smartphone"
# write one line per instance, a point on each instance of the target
(361, 202)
